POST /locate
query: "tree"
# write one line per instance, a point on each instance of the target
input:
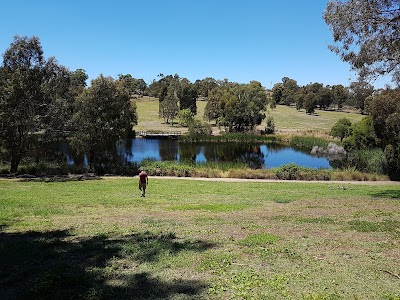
(205, 86)
(185, 117)
(385, 113)
(367, 35)
(363, 136)
(132, 85)
(277, 91)
(213, 109)
(342, 129)
(359, 92)
(290, 88)
(168, 107)
(30, 85)
(340, 95)
(270, 125)
(104, 115)
(240, 106)
(187, 95)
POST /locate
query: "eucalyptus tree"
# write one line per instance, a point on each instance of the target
(187, 95)
(366, 34)
(340, 95)
(168, 106)
(33, 91)
(104, 114)
(238, 106)
(359, 92)
(205, 86)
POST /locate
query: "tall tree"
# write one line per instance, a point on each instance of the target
(187, 94)
(385, 113)
(290, 88)
(367, 35)
(359, 92)
(339, 94)
(30, 85)
(104, 115)
(168, 107)
(240, 106)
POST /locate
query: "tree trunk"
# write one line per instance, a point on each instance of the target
(15, 160)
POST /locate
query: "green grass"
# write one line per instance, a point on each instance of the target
(198, 240)
(285, 117)
(288, 118)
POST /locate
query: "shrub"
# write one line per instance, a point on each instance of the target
(270, 126)
(185, 117)
(288, 172)
(368, 160)
(198, 128)
(342, 129)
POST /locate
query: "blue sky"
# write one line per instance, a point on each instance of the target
(239, 40)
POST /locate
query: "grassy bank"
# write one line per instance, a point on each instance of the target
(286, 118)
(198, 240)
(240, 170)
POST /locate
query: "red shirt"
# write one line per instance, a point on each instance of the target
(142, 176)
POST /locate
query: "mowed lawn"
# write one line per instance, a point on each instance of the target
(199, 240)
(285, 117)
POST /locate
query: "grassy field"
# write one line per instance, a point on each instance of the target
(199, 240)
(286, 118)
(147, 109)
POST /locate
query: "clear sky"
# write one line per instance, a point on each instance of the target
(239, 40)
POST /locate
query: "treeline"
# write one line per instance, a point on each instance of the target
(316, 95)
(42, 102)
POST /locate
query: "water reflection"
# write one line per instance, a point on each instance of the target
(253, 155)
(128, 151)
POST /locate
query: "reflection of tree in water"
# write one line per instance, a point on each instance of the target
(168, 150)
(189, 151)
(251, 155)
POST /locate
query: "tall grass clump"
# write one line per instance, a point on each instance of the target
(307, 142)
(368, 160)
(295, 172)
(167, 168)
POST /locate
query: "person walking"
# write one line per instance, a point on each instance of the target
(143, 182)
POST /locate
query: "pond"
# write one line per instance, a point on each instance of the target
(260, 156)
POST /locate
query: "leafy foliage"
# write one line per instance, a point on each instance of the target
(104, 114)
(239, 106)
(342, 129)
(33, 92)
(367, 35)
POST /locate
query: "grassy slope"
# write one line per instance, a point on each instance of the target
(286, 118)
(199, 239)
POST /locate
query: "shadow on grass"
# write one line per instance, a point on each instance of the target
(57, 265)
(391, 194)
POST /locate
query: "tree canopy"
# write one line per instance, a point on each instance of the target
(32, 92)
(104, 114)
(367, 35)
(237, 106)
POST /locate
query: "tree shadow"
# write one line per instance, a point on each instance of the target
(390, 194)
(57, 265)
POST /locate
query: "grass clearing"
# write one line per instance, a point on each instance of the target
(198, 240)
(285, 117)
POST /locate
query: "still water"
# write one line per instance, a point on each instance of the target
(254, 155)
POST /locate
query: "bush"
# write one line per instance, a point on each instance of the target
(368, 160)
(342, 129)
(288, 172)
(198, 128)
(270, 126)
(185, 117)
